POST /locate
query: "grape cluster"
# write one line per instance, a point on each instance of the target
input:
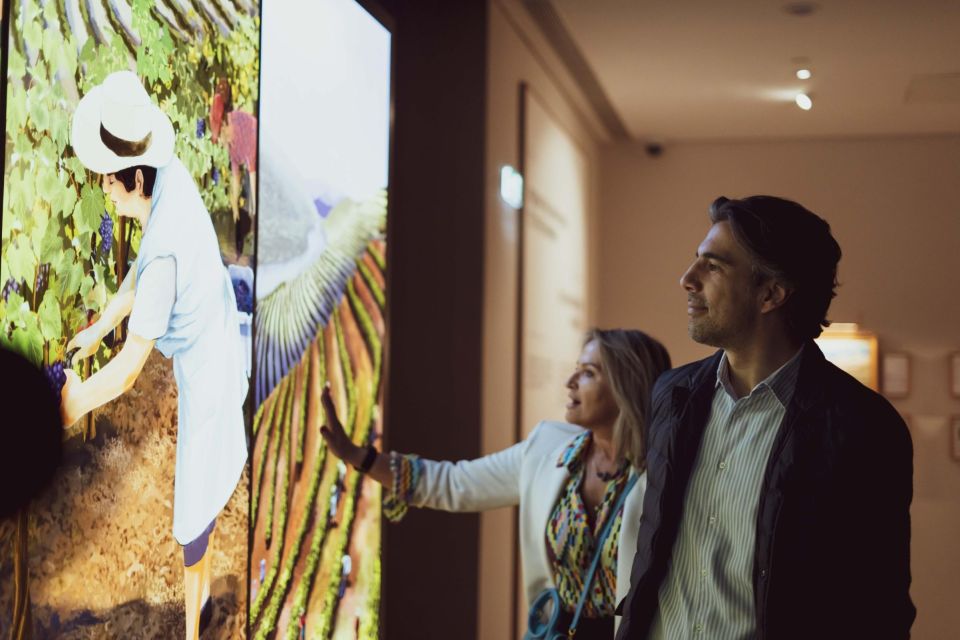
(43, 277)
(106, 232)
(55, 376)
(244, 296)
(201, 127)
(11, 286)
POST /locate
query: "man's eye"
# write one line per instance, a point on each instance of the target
(713, 266)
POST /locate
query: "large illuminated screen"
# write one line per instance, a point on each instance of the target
(325, 84)
(129, 200)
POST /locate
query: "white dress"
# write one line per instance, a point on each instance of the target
(203, 338)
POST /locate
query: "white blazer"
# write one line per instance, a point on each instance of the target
(527, 475)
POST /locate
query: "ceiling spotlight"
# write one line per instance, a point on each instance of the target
(803, 101)
(804, 74)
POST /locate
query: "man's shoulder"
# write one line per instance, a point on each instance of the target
(854, 405)
(686, 375)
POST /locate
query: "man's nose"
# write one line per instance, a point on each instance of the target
(688, 280)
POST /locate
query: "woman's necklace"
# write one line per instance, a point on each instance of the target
(606, 476)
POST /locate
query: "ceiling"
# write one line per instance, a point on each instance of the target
(676, 70)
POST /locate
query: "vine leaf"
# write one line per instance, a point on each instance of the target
(21, 260)
(28, 342)
(49, 316)
(16, 66)
(91, 210)
(70, 274)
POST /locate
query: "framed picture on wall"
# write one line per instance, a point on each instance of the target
(954, 365)
(853, 350)
(896, 375)
(955, 437)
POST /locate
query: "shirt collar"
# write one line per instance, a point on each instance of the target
(781, 382)
(572, 455)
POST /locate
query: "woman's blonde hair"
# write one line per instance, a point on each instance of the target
(632, 361)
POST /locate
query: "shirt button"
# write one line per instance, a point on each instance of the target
(703, 572)
(698, 627)
(723, 465)
(713, 520)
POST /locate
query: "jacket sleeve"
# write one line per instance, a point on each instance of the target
(472, 485)
(629, 626)
(876, 541)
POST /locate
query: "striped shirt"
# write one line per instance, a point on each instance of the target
(708, 589)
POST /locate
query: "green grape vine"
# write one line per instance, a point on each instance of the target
(52, 206)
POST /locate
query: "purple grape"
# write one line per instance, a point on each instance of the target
(201, 127)
(11, 286)
(216, 175)
(40, 284)
(56, 377)
(106, 232)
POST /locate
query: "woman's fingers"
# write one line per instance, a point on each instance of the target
(333, 421)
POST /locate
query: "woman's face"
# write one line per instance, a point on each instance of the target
(126, 203)
(591, 404)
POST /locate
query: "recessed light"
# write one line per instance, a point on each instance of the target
(803, 101)
(804, 74)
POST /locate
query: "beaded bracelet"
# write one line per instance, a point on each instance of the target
(405, 471)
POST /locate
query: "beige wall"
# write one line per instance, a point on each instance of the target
(516, 54)
(894, 206)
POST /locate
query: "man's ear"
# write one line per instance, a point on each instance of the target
(138, 183)
(773, 295)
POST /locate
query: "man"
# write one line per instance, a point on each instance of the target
(778, 487)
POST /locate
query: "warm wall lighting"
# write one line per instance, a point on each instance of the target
(803, 101)
(511, 186)
(804, 74)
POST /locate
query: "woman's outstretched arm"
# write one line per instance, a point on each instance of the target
(117, 376)
(466, 486)
(88, 341)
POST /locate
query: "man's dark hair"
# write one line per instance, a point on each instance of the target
(793, 245)
(129, 178)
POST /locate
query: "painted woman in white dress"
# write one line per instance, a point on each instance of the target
(179, 298)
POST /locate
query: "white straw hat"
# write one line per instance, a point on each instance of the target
(117, 126)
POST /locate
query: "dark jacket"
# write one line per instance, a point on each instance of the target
(832, 554)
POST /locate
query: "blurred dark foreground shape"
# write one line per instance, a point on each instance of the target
(31, 454)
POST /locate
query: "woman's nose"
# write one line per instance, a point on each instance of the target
(572, 380)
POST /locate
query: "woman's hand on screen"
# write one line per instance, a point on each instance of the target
(332, 431)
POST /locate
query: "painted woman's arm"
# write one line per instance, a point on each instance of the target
(119, 307)
(117, 376)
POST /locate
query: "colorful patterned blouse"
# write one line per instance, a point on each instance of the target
(571, 540)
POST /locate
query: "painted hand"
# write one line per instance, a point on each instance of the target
(86, 342)
(68, 399)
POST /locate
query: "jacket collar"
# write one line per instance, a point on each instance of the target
(809, 384)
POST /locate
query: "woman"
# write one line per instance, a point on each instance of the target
(565, 477)
(180, 299)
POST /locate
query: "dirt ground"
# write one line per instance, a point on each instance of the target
(103, 560)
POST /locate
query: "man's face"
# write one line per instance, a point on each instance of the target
(723, 305)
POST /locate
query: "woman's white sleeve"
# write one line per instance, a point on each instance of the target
(471, 485)
(154, 299)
